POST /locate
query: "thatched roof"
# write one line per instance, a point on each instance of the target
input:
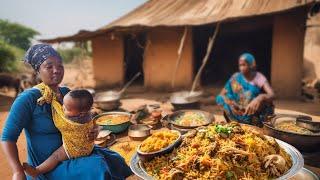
(189, 13)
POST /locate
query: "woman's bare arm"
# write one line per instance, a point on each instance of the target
(269, 95)
(11, 152)
(255, 104)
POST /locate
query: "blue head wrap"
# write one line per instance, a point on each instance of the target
(38, 53)
(249, 58)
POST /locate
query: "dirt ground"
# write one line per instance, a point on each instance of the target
(84, 78)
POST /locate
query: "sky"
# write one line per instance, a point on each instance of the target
(54, 18)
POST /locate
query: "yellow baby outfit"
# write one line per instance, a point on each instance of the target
(74, 135)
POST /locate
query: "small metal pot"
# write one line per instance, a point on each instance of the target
(139, 131)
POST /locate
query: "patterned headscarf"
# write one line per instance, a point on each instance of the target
(38, 53)
(249, 58)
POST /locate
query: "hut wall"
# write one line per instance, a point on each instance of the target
(287, 54)
(312, 50)
(161, 55)
(108, 67)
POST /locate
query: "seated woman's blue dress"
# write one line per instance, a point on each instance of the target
(238, 92)
(43, 138)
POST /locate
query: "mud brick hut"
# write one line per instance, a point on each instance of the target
(150, 37)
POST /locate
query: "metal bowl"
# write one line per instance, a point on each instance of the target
(139, 131)
(303, 142)
(171, 118)
(305, 174)
(150, 155)
(116, 128)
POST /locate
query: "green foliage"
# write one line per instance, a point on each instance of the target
(16, 34)
(14, 40)
(71, 54)
(9, 55)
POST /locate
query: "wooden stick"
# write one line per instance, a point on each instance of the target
(182, 42)
(312, 25)
(206, 57)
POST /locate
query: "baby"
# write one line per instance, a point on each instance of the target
(76, 109)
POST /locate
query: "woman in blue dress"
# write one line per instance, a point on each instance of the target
(43, 138)
(247, 96)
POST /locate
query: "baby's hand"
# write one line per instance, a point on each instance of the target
(93, 133)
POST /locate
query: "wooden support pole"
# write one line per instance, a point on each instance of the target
(206, 57)
(182, 42)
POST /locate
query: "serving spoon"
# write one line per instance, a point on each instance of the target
(307, 123)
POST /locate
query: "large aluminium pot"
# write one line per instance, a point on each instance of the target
(185, 100)
(303, 142)
(108, 100)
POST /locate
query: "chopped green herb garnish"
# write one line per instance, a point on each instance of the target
(223, 129)
(230, 176)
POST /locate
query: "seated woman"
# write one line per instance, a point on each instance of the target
(247, 96)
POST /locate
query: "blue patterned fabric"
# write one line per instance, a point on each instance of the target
(43, 138)
(238, 93)
(38, 53)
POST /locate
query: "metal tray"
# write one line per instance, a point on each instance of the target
(296, 157)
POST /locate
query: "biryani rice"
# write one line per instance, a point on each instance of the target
(158, 141)
(196, 158)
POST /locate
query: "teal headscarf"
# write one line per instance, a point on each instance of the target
(249, 58)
